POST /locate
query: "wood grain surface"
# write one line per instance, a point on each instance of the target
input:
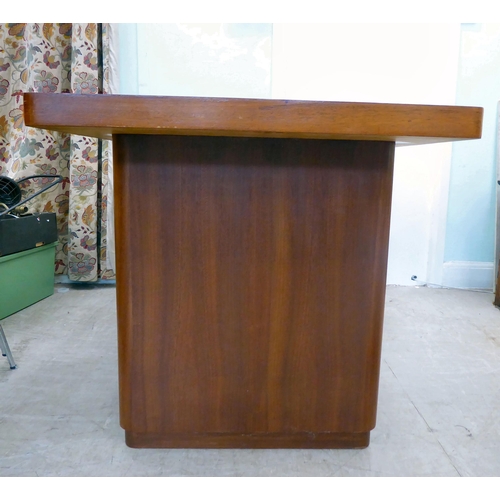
(309, 440)
(105, 115)
(250, 289)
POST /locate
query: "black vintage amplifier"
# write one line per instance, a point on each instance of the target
(27, 231)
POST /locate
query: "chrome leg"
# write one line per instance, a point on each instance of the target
(4, 347)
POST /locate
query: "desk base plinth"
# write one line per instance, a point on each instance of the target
(299, 440)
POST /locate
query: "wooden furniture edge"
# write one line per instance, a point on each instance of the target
(103, 116)
(297, 440)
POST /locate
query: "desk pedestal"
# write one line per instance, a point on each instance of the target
(251, 282)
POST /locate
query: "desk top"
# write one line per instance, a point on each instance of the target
(106, 115)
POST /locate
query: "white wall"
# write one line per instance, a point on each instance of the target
(470, 231)
(210, 59)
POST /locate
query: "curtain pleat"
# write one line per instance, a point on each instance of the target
(59, 58)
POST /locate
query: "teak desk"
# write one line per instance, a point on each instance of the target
(251, 243)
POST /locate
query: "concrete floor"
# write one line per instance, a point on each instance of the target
(439, 401)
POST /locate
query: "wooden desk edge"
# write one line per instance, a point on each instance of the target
(103, 116)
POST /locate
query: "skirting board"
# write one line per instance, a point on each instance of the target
(469, 274)
(62, 279)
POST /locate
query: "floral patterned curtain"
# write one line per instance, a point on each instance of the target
(60, 58)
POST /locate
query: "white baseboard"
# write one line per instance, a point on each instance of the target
(469, 274)
(62, 279)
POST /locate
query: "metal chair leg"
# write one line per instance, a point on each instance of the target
(4, 347)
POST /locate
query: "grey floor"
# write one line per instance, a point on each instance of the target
(439, 400)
